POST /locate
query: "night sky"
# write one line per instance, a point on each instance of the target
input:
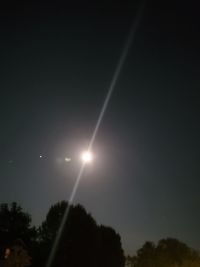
(56, 64)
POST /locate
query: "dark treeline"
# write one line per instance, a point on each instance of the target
(83, 242)
(169, 252)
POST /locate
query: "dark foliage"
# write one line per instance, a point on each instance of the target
(83, 242)
(15, 224)
(169, 252)
(110, 250)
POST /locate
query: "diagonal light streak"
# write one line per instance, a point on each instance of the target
(64, 219)
(99, 120)
(117, 72)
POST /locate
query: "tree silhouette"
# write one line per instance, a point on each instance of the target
(110, 249)
(146, 256)
(14, 224)
(172, 251)
(78, 236)
(169, 252)
(48, 229)
(83, 242)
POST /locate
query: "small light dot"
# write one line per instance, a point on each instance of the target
(40, 156)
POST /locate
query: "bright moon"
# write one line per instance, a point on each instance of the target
(86, 157)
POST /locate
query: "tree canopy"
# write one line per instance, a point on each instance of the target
(14, 224)
(169, 252)
(83, 242)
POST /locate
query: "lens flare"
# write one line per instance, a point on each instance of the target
(87, 157)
